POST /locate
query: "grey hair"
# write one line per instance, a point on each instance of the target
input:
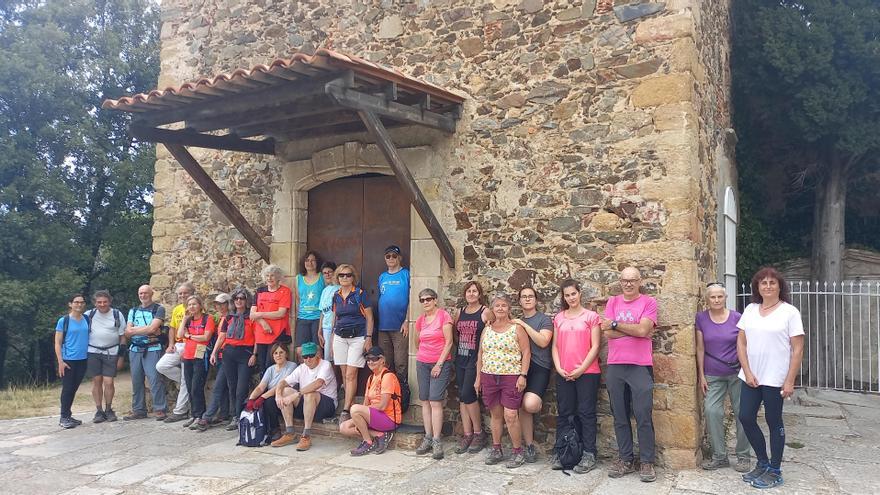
(502, 296)
(428, 292)
(188, 286)
(272, 269)
(102, 293)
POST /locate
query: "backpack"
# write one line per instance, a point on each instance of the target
(90, 316)
(568, 448)
(162, 338)
(401, 401)
(65, 324)
(251, 428)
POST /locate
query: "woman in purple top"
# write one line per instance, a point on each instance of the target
(718, 366)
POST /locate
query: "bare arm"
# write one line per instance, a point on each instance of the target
(540, 337)
(312, 387)
(743, 355)
(294, 290)
(447, 346)
(59, 339)
(701, 358)
(797, 354)
(522, 338)
(554, 351)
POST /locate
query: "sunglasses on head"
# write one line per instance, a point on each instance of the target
(714, 284)
(426, 299)
(309, 356)
(346, 275)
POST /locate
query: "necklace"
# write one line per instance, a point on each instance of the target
(771, 306)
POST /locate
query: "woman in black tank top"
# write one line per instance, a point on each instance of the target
(469, 324)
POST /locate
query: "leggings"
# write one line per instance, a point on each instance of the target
(195, 375)
(238, 374)
(70, 383)
(750, 401)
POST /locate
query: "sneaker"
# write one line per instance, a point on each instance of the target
(713, 464)
(160, 415)
(174, 417)
(756, 473)
(362, 449)
(99, 417)
(285, 439)
(188, 422)
(771, 478)
(305, 443)
(215, 421)
(195, 424)
(110, 415)
(425, 447)
(647, 473)
(78, 422)
(587, 463)
(621, 468)
(743, 465)
(232, 426)
(495, 456)
(478, 443)
(133, 416)
(380, 444)
(437, 449)
(201, 425)
(556, 464)
(516, 460)
(67, 423)
(464, 443)
(530, 454)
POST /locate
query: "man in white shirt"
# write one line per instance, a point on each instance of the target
(309, 393)
(106, 330)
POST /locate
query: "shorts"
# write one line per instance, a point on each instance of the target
(349, 352)
(500, 389)
(380, 421)
(326, 409)
(465, 376)
(538, 380)
(101, 365)
(307, 331)
(430, 388)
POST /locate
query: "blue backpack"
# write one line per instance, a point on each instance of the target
(251, 428)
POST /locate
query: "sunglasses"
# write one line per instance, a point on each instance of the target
(309, 356)
(239, 298)
(390, 256)
(373, 359)
(426, 299)
(345, 275)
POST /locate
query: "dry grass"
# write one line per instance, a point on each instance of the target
(25, 402)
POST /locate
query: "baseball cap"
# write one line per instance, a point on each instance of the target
(375, 351)
(392, 249)
(222, 298)
(309, 348)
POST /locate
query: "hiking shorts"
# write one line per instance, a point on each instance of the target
(379, 421)
(101, 365)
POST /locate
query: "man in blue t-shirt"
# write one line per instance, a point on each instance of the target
(393, 304)
(142, 331)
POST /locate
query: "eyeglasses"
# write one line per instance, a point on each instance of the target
(373, 359)
(426, 299)
(78, 302)
(345, 275)
(526, 296)
(629, 281)
(239, 298)
(391, 256)
(309, 356)
(714, 284)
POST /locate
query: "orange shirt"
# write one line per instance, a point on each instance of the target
(388, 385)
(197, 326)
(247, 340)
(272, 301)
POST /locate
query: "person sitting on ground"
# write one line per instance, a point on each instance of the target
(380, 413)
(265, 390)
(309, 393)
(71, 350)
(105, 356)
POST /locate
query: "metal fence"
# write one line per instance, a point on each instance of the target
(842, 327)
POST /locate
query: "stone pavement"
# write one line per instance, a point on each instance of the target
(833, 448)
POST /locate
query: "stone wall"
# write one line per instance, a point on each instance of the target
(593, 138)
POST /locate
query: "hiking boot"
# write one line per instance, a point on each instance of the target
(362, 449)
(478, 443)
(771, 478)
(78, 422)
(232, 426)
(516, 460)
(305, 443)
(495, 456)
(426, 446)
(215, 421)
(756, 473)
(556, 464)
(201, 425)
(530, 454)
(110, 415)
(134, 415)
(160, 415)
(621, 468)
(743, 464)
(437, 449)
(587, 463)
(464, 443)
(188, 422)
(285, 439)
(99, 417)
(174, 417)
(647, 473)
(380, 444)
(713, 464)
(67, 423)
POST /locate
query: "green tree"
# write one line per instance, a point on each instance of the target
(74, 187)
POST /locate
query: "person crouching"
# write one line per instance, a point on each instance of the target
(380, 414)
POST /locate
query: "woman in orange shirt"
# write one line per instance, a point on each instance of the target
(380, 414)
(236, 339)
(271, 315)
(196, 330)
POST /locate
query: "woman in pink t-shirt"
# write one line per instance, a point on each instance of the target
(433, 368)
(576, 338)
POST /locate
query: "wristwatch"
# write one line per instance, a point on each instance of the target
(523, 375)
(614, 324)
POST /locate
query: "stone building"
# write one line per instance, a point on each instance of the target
(593, 135)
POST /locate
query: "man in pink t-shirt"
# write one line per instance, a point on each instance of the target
(628, 325)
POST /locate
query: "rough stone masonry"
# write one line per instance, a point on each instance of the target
(592, 138)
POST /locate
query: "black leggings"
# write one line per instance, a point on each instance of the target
(577, 399)
(195, 374)
(271, 414)
(749, 402)
(70, 383)
(238, 374)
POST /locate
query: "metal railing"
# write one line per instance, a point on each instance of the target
(842, 333)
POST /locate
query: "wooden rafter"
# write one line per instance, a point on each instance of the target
(382, 106)
(189, 138)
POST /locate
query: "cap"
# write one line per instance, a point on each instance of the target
(374, 351)
(309, 348)
(222, 298)
(392, 249)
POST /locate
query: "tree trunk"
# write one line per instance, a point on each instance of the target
(4, 346)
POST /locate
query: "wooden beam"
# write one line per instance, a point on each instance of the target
(340, 116)
(300, 108)
(223, 203)
(381, 106)
(410, 188)
(189, 138)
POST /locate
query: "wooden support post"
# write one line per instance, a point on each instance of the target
(220, 199)
(383, 140)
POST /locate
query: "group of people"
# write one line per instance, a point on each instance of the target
(505, 360)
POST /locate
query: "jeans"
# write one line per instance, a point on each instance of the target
(144, 364)
(750, 402)
(196, 374)
(395, 346)
(238, 375)
(640, 381)
(713, 405)
(70, 382)
(171, 365)
(578, 399)
(220, 398)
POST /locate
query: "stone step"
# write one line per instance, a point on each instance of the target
(406, 437)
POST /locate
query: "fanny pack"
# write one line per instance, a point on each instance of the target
(350, 332)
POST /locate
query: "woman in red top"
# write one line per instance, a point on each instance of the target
(271, 315)
(196, 330)
(236, 339)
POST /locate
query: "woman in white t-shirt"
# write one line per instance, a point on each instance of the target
(770, 346)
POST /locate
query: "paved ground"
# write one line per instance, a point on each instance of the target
(837, 436)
